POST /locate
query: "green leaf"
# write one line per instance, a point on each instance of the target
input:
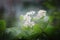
(49, 29)
(51, 19)
(2, 25)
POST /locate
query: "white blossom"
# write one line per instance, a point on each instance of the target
(27, 19)
(40, 14)
(32, 24)
(30, 13)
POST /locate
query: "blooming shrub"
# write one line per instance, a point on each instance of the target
(31, 25)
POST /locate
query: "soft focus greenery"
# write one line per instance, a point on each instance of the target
(2, 25)
(42, 30)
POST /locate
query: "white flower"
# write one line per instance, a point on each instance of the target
(40, 14)
(29, 24)
(26, 24)
(27, 19)
(32, 24)
(30, 13)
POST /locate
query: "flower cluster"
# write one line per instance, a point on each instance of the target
(27, 19)
(40, 14)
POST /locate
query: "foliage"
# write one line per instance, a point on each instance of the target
(2, 28)
(2, 25)
(41, 30)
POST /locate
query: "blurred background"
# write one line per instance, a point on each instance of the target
(10, 11)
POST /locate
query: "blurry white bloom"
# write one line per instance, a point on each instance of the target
(40, 14)
(27, 19)
(26, 23)
(32, 24)
(29, 24)
(30, 13)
